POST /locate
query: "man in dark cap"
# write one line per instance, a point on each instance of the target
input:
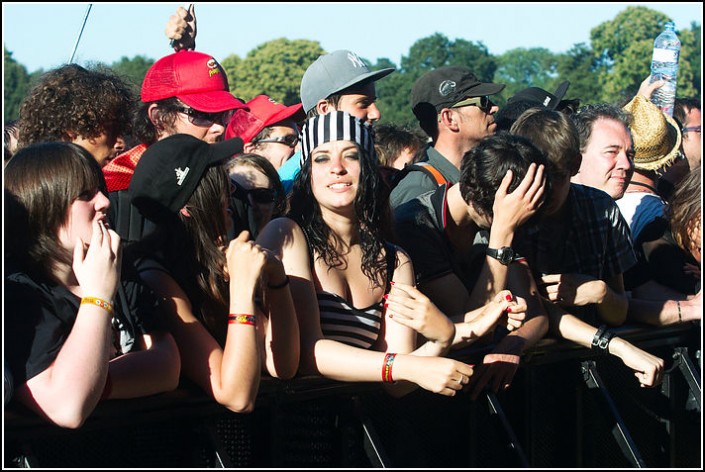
(453, 107)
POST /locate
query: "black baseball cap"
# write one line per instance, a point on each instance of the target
(169, 171)
(444, 87)
(541, 97)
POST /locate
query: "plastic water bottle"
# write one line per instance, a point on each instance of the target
(664, 66)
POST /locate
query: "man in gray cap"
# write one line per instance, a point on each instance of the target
(339, 81)
(453, 107)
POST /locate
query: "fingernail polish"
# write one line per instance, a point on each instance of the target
(391, 282)
(509, 309)
(509, 298)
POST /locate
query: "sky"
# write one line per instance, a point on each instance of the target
(44, 36)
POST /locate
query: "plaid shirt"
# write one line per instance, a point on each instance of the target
(118, 172)
(595, 242)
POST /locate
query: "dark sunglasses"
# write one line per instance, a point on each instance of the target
(483, 103)
(201, 118)
(692, 129)
(259, 194)
(290, 140)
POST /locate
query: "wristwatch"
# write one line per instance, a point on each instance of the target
(504, 255)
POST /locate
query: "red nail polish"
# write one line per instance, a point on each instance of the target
(386, 305)
(509, 309)
(509, 298)
(391, 282)
(385, 296)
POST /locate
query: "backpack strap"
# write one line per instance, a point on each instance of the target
(432, 171)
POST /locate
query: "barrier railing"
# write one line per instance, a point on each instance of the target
(566, 408)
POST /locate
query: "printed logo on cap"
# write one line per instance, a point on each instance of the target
(212, 64)
(446, 88)
(355, 60)
(181, 175)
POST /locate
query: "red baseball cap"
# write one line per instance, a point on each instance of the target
(263, 111)
(194, 78)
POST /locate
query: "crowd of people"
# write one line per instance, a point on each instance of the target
(236, 239)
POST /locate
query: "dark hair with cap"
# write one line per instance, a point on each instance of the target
(371, 208)
(485, 165)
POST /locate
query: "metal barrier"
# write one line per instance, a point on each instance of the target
(566, 408)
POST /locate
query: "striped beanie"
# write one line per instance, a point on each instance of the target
(335, 126)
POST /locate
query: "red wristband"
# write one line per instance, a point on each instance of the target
(387, 367)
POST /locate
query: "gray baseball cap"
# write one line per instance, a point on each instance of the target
(333, 72)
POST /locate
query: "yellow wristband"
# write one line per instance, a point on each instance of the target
(107, 306)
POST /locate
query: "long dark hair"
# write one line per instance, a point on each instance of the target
(44, 179)
(372, 211)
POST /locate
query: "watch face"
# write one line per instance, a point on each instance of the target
(505, 255)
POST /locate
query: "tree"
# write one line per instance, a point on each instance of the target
(16, 84)
(424, 55)
(133, 69)
(578, 67)
(624, 48)
(274, 68)
(521, 68)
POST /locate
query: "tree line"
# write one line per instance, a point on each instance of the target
(609, 69)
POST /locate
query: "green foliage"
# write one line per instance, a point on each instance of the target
(521, 68)
(424, 55)
(578, 67)
(274, 68)
(624, 47)
(133, 70)
(16, 84)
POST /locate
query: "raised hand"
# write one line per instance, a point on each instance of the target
(181, 29)
(511, 210)
(97, 265)
(245, 262)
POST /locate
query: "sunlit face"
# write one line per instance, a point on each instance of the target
(251, 178)
(90, 206)
(103, 148)
(278, 152)
(692, 138)
(335, 174)
(361, 104)
(608, 159)
(476, 123)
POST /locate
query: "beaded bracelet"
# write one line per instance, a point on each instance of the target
(680, 314)
(281, 285)
(387, 367)
(107, 306)
(241, 319)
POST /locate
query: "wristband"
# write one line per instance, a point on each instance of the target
(601, 340)
(241, 319)
(281, 285)
(680, 315)
(387, 367)
(107, 306)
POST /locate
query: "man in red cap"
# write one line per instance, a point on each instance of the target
(186, 92)
(269, 128)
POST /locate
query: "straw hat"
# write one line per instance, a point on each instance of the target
(657, 139)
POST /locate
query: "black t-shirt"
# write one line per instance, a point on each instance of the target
(39, 315)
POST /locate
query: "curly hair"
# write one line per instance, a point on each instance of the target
(72, 99)
(485, 165)
(372, 223)
(146, 131)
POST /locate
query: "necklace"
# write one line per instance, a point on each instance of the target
(640, 184)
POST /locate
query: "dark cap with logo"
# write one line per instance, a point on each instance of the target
(541, 97)
(443, 87)
(169, 171)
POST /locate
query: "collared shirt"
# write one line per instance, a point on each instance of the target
(417, 182)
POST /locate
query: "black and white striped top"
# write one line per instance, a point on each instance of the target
(343, 322)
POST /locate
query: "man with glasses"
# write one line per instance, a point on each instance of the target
(183, 93)
(268, 128)
(454, 108)
(687, 112)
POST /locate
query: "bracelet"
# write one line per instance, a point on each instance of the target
(387, 367)
(601, 340)
(107, 306)
(680, 315)
(281, 285)
(241, 319)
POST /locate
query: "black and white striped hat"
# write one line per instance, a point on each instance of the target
(335, 126)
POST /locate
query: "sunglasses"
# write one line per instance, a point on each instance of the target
(692, 129)
(259, 194)
(201, 118)
(483, 103)
(290, 140)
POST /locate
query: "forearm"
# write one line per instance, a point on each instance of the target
(663, 313)
(281, 348)
(613, 306)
